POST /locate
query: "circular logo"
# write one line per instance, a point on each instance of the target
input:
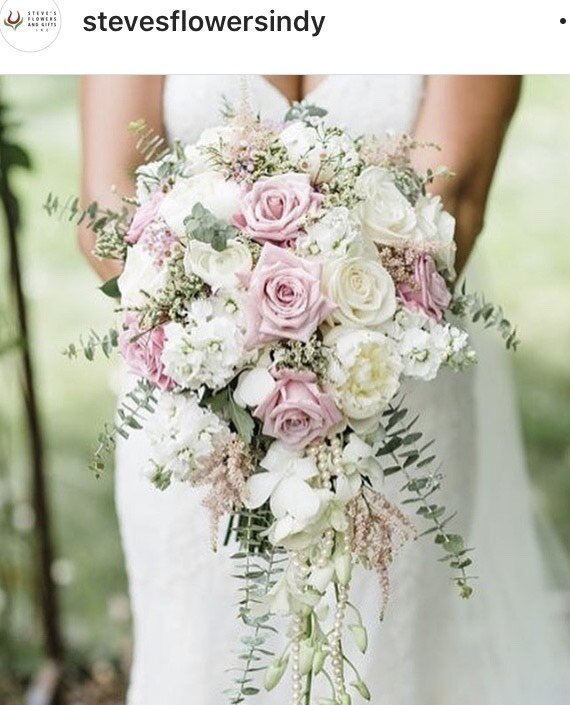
(30, 25)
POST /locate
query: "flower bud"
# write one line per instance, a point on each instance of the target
(275, 672)
(360, 686)
(319, 661)
(306, 656)
(360, 636)
(343, 567)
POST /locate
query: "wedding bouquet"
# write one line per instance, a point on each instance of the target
(280, 283)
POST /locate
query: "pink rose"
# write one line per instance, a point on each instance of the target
(143, 351)
(283, 299)
(143, 217)
(429, 292)
(274, 209)
(297, 411)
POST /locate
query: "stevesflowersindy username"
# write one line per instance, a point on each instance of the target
(186, 21)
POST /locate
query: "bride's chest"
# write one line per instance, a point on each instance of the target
(361, 103)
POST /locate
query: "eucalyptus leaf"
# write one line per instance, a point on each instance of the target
(202, 225)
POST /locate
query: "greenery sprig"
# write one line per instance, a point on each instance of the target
(93, 342)
(110, 226)
(476, 307)
(402, 450)
(130, 414)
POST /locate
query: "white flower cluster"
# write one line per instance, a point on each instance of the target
(208, 348)
(424, 345)
(181, 434)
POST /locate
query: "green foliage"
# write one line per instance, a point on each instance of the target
(258, 567)
(203, 225)
(110, 226)
(111, 288)
(93, 342)
(304, 111)
(150, 145)
(130, 417)
(404, 453)
(477, 308)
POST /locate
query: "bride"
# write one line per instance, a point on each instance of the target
(500, 647)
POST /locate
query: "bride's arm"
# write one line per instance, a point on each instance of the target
(108, 104)
(468, 117)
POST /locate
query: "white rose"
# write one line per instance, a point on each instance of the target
(331, 236)
(436, 227)
(386, 215)
(362, 289)
(217, 269)
(140, 276)
(215, 193)
(365, 372)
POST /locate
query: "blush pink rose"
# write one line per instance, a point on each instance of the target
(283, 299)
(274, 209)
(297, 411)
(429, 292)
(143, 217)
(142, 352)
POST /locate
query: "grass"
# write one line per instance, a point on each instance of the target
(525, 246)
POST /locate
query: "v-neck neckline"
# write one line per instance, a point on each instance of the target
(284, 98)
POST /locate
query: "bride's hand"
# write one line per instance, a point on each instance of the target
(468, 117)
(108, 105)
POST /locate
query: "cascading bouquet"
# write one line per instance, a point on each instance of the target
(280, 283)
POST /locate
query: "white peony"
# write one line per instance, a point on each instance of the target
(362, 289)
(365, 371)
(140, 277)
(331, 236)
(321, 157)
(209, 188)
(208, 349)
(285, 483)
(217, 269)
(386, 215)
(181, 433)
(436, 228)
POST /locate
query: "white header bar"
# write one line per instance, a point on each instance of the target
(284, 36)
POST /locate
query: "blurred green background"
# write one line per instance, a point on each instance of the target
(526, 247)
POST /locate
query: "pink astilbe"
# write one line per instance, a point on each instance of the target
(378, 530)
(225, 471)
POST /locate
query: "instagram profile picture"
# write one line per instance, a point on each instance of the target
(30, 25)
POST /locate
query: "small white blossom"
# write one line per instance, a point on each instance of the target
(181, 433)
(208, 348)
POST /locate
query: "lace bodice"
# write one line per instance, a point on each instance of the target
(361, 103)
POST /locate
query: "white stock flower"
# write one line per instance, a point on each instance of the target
(421, 356)
(218, 195)
(319, 156)
(208, 348)
(386, 215)
(140, 276)
(331, 236)
(436, 227)
(181, 433)
(217, 269)
(285, 483)
(365, 371)
(362, 289)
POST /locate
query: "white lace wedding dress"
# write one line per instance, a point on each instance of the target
(499, 648)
